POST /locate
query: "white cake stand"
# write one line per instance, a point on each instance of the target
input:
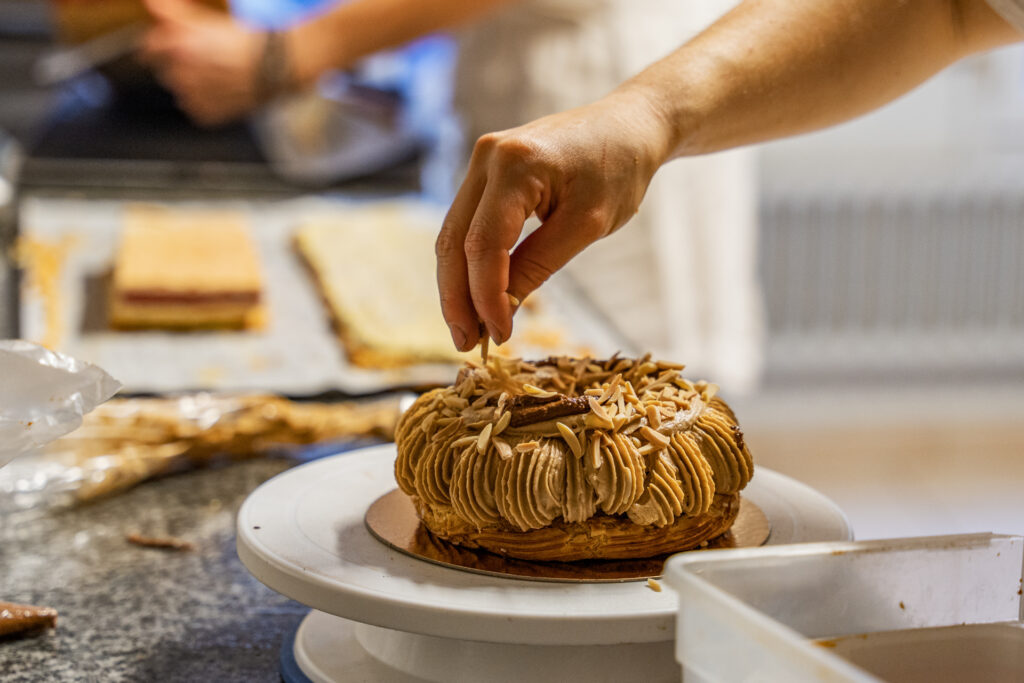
(380, 615)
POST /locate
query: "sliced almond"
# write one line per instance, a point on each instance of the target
(595, 452)
(632, 425)
(484, 439)
(646, 368)
(654, 416)
(571, 439)
(504, 450)
(653, 437)
(597, 408)
(537, 391)
(502, 423)
(609, 390)
(428, 422)
(455, 402)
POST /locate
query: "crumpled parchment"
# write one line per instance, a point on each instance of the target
(43, 395)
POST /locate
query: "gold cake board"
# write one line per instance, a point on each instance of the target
(393, 521)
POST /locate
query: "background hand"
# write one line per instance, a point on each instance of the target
(583, 172)
(207, 59)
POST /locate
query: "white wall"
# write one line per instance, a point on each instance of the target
(972, 114)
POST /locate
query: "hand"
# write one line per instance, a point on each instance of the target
(207, 59)
(583, 172)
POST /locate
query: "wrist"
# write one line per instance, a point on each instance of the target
(672, 115)
(316, 47)
(305, 55)
(639, 111)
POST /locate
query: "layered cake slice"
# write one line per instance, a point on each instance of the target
(185, 269)
(375, 270)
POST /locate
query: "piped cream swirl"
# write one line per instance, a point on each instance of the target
(651, 446)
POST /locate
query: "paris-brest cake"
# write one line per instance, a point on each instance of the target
(571, 458)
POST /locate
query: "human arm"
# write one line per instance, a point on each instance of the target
(775, 68)
(211, 61)
(767, 69)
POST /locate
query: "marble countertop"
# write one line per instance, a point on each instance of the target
(130, 613)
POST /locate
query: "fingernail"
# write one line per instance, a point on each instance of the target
(458, 336)
(495, 334)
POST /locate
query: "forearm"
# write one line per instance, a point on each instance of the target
(772, 68)
(353, 30)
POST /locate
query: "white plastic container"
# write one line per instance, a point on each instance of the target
(934, 609)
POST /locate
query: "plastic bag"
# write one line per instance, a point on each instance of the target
(131, 440)
(43, 395)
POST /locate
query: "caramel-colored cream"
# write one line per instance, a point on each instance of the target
(498, 449)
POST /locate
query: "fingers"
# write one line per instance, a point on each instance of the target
(452, 275)
(164, 11)
(567, 232)
(158, 51)
(202, 111)
(155, 46)
(173, 21)
(175, 11)
(495, 227)
(160, 10)
(509, 178)
(159, 45)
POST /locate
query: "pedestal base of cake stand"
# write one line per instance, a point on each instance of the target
(327, 649)
(382, 615)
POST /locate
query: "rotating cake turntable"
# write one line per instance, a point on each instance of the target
(380, 614)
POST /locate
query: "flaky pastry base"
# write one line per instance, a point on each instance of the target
(603, 537)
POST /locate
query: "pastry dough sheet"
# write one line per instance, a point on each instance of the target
(296, 354)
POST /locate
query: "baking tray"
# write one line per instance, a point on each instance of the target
(297, 354)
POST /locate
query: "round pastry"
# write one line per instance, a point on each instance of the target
(570, 459)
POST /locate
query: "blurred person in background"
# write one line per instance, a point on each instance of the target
(681, 282)
(768, 69)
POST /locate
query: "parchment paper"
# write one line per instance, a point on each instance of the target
(297, 354)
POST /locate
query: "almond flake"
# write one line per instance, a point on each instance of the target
(484, 439)
(571, 439)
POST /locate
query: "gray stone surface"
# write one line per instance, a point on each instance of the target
(129, 613)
